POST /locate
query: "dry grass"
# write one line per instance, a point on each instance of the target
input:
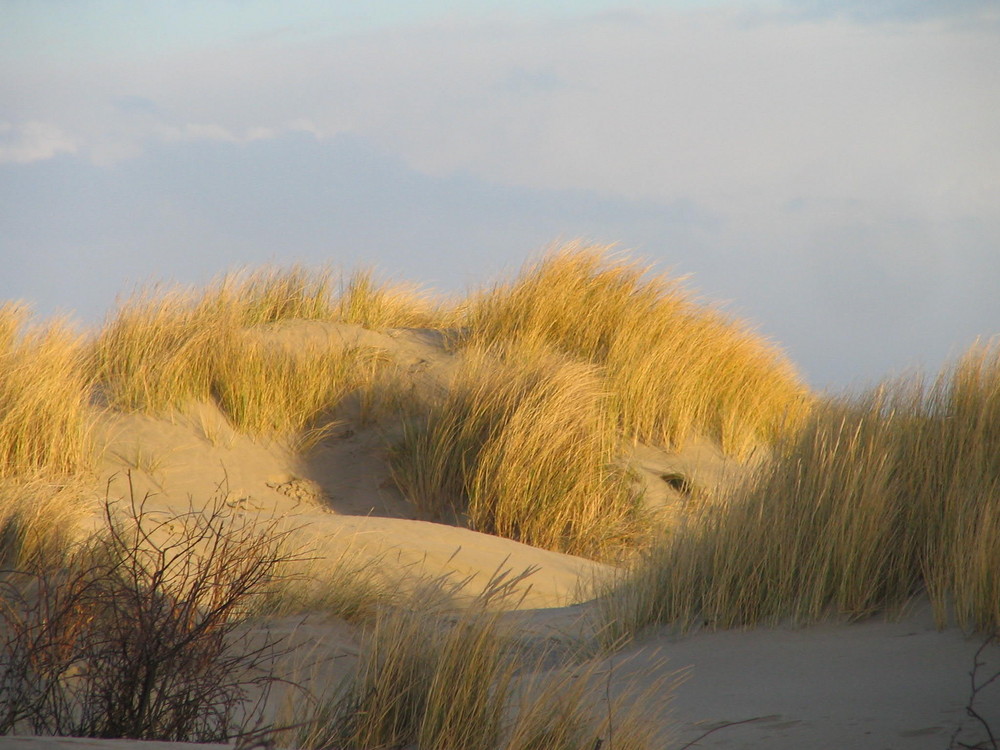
(436, 681)
(160, 349)
(879, 498)
(45, 417)
(165, 349)
(46, 441)
(370, 305)
(271, 391)
(269, 294)
(521, 446)
(674, 367)
(39, 520)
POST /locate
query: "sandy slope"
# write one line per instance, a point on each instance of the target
(870, 685)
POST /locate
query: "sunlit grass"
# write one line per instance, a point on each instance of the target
(379, 306)
(522, 446)
(44, 398)
(674, 367)
(163, 350)
(272, 391)
(46, 435)
(881, 497)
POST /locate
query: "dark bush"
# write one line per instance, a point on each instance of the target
(140, 633)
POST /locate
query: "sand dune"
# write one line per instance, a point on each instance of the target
(875, 684)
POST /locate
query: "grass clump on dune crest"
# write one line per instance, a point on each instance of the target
(673, 367)
(879, 498)
(270, 294)
(271, 391)
(522, 447)
(46, 436)
(159, 351)
(45, 413)
(164, 349)
(365, 303)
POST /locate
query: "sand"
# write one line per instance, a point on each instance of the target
(876, 684)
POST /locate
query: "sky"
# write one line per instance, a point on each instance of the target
(828, 171)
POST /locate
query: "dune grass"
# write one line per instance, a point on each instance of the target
(46, 438)
(674, 367)
(379, 306)
(271, 391)
(159, 350)
(44, 398)
(438, 681)
(521, 446)
(164, 349)
(39, 521)
(880, 497)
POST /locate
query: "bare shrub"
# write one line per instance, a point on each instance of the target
(980, 684)
(139, 634)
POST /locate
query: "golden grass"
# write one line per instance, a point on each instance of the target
(674, 367)
(521, 446)
(38, 522)
(45, 418)
(164, 349)
(272, 391)
(46, 436)
(438, 682)
(365, 303)
(881, 497)
(270, 294)
(159, 351)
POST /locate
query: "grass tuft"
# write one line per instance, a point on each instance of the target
(367, 304)
(438, 681)
(163, 350)
(45, 413)
(673, 367)
(521, 446)
(272, 391)
(879, 498)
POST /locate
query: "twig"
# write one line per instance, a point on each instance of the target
(977, 689)
(726, 725)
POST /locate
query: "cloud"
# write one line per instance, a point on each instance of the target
(837, 176)
(850, 301)
(33, 141)
(869, 11)
(743, 111)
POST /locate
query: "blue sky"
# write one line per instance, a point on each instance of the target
(829, 171)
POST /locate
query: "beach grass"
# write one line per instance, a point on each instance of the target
(521, 446)
(882, 497)
(45, 412)
(674, 367)
(438, 679)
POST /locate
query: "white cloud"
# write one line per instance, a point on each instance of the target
(849, 171)
(33, 141)
(740, 113)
